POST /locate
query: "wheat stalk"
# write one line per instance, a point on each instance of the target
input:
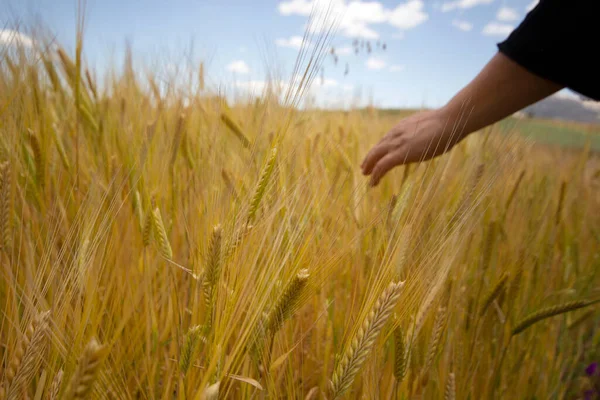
(82, 382)
(364, 339)
(548, 312)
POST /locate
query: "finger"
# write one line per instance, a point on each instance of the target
(385, 164)
(373, 157)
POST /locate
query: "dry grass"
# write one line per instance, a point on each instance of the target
(108, 198)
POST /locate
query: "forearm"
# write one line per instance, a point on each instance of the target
(499, 90)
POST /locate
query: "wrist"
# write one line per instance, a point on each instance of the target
(457, 119)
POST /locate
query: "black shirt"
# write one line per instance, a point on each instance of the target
(558, 40)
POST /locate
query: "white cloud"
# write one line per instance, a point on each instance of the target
(347, 87)
(462, 25)
(396, 68)
(295, 7)
(398, 35)
(238, 67)
(359, 30)
(295, 42)
(10, 37)
(344, 50)
(497, 29)
(328, 82)
(356, 18)
(375, 63)
(463, 4)
(532, 5)
(507, 14)
(408, 15)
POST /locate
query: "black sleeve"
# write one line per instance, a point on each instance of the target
(558, 40)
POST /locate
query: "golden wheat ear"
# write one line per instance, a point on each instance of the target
(364, 340)
(82, 382)
(55, 387)
(450, 391)
(28, 356)
(5, 206)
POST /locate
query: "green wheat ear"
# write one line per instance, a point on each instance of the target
(401, 355)
(192, 337)
(287, 303)
(160, 235)
(213, 264)
(548, 312)
(261, 186)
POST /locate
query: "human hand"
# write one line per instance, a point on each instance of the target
(419, 137)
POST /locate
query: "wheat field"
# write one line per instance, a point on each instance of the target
(167, 244)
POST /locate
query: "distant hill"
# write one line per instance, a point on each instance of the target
(565, 108)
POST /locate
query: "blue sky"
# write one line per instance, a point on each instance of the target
(433, 48)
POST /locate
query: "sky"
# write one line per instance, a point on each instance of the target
(432, 47)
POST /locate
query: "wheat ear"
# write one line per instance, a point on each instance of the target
(37, 157)
(235, 128)
(55, 387)
(401, 355)
(364, 339)
(5, 196)
(548, 312)
(261, 186)
(82, 382)
(18, 354)
(288, 302)
(160, 233)
(236, 241)
(23, 372)
(438, 329)
(189, 346)
(212, 391)
(450, 392)
(213, 264)
(147, 229)
(494, 292)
